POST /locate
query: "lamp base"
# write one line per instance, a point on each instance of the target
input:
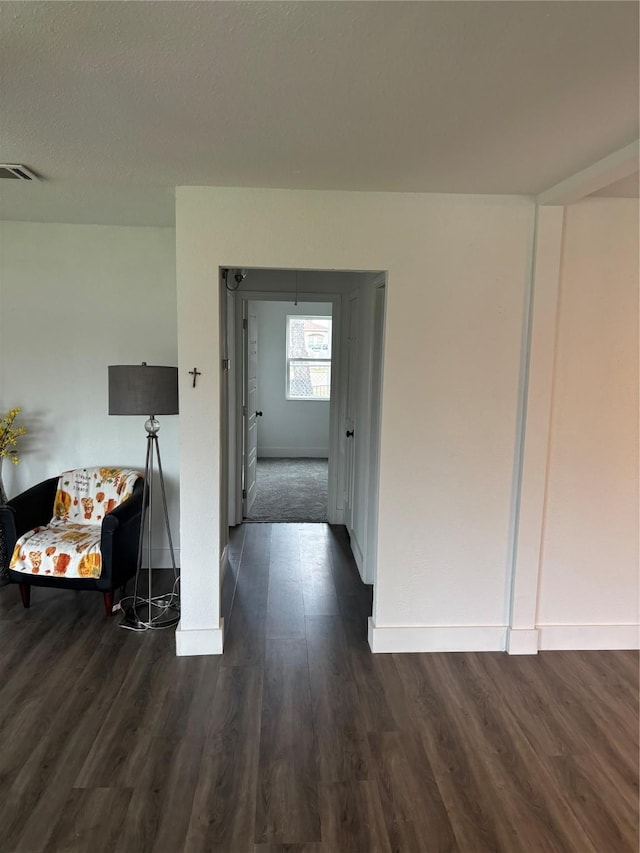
(141, 615)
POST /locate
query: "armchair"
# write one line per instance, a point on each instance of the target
(77, 531)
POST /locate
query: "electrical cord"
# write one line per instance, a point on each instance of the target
(165, 602)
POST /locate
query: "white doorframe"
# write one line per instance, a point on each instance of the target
(373, 468)
(350, 424)
(250, 413)
(365, 551)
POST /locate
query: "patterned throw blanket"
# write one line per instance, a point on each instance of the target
(69, 546)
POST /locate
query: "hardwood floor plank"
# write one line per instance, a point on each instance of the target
(553, 732)
(466, 788)
(376, 713)
(626, 663)
(355, 598)
(535, 714)
(614, 713)
(192, 687)
(236, 545)
(285, 603)
(46, 643)
(245, 631)
(580, 729)
(285, 548)
(228, 589)
(290, 848)
(253, 572)
(318, 587)
(609, 827)
(68, 729)
(287, 804)
(539, 818)
(35, 651)
(319, 593)
(285, 607)
(414, 813)
(352, 819)
(89, 820)
(158, 813)
(341, 742)
(245, 638)
(346, 577)
(115, 756)
(617, 672)
(224, 803)
(621, 797)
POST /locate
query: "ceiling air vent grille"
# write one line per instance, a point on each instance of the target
(16, 172)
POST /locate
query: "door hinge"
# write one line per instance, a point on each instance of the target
(245, 323)
(244, 411)
(226, 363)
(244, 494)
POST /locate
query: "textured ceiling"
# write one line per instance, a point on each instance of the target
(114, 104)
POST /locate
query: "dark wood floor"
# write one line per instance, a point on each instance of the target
(298, 740)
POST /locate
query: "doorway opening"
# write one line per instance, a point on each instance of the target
(301, 393)
(291, 489)
(286, 407)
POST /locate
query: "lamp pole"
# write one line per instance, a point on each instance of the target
(138, 390)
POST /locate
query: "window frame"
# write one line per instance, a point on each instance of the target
(306, 360)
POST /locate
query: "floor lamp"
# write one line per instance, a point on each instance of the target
(149, 390)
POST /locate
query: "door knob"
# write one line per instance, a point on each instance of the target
(349, 433)
(258, 414)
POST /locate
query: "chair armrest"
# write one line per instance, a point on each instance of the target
(27, 510)
(120, 538)
(125, 512)
(32, 508)
(8, 531)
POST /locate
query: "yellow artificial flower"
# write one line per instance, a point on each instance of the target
(9, 435)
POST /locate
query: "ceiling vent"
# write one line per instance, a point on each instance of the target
(16, 172)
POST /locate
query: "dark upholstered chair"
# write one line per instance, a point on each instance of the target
(115, 531)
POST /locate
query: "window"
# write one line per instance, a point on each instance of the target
(308, 358)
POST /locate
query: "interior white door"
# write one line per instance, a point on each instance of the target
(249, 411)
(351, 404)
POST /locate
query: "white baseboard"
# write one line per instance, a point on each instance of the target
(522, 641)
(293, 452)
(497, 638)
(201, 641)
(436, 638)
(160, 558)
(588, 637)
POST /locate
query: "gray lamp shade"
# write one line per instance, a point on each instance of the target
(142, 389)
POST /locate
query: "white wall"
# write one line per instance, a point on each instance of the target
(457, 274)
(589, 561)
(288, 427)
(74, 299)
